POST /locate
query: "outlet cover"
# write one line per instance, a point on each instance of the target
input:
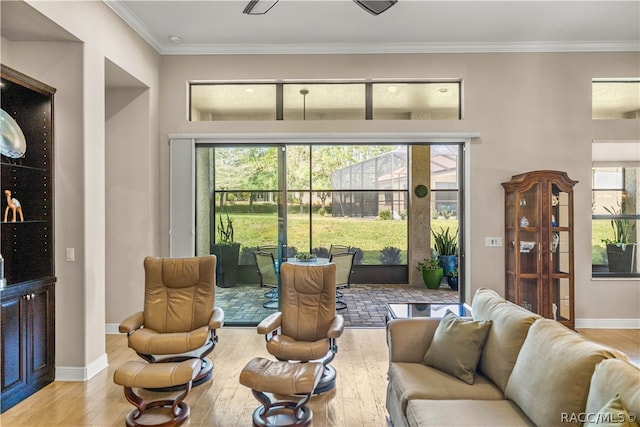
(493, 241)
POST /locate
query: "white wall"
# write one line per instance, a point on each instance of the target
(532, 110)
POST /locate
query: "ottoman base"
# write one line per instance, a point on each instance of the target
(281, 414)
(297, 380)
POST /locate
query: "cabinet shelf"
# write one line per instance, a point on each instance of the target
(26, 222)
(541, 279)
(25, 167)
(28, 299)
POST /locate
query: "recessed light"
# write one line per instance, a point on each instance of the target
(443, 90)
(249, 90)
(174, 39)
(392, 89)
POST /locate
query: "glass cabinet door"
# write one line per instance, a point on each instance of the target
(560, 254)
(527, 248)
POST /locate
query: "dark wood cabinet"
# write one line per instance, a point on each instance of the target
(27, 337)
(27, 294)
(539, 249)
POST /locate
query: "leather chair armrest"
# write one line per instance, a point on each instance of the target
(131, 323)
(270, 323)
(217, 318)
(336, 327)
(409, 339)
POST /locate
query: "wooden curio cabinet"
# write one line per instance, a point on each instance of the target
(27, 279)
(539, 245)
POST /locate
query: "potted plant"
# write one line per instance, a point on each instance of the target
(620, 250)
(306, 257)
(431, 272)
(452, 280)
(445, 244)
(227, 253)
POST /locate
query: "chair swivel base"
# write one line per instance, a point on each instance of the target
(282, 414)
(272, 304)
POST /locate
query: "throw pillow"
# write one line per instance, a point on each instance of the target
(614, 413)
(456, 346)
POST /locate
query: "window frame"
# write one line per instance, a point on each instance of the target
(610, 217)
(369, 101)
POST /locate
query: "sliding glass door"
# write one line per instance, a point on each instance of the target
(307, 197)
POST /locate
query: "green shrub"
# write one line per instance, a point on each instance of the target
(390, 255)
(385, 215)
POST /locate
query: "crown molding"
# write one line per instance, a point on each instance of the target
(132, 21)
(394, 48)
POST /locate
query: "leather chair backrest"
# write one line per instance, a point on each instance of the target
(307, 300)
(179, 293)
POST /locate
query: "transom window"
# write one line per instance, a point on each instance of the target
(355, 100)
(615, 99)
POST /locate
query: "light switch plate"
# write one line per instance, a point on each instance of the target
(493, 241)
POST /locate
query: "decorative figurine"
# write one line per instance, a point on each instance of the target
(14, 205)
(524, 222)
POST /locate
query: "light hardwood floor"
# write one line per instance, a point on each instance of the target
(358, 399)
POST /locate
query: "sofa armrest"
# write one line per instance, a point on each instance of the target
(409, 339)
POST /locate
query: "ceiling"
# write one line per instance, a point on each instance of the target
(410, 26)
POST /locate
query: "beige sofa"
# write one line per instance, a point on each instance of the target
(531, 371)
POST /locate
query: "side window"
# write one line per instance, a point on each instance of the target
(615, 213)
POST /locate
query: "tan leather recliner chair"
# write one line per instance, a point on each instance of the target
(179, 319)
(307, 326)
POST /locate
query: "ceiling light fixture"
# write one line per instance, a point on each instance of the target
(375, 7)
(174, 39)
(259, 7)
(304, 93)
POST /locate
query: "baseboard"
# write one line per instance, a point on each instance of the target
(72, 373)
(607, 323)
(111, 328)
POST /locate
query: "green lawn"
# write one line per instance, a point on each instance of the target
(599, 230)
(370, 235)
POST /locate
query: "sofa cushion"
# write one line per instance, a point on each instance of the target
(417, 381)
(422, 413)
(510, 326)
(456, 346)
(611, 377)
(613, 414)
(553, 371)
